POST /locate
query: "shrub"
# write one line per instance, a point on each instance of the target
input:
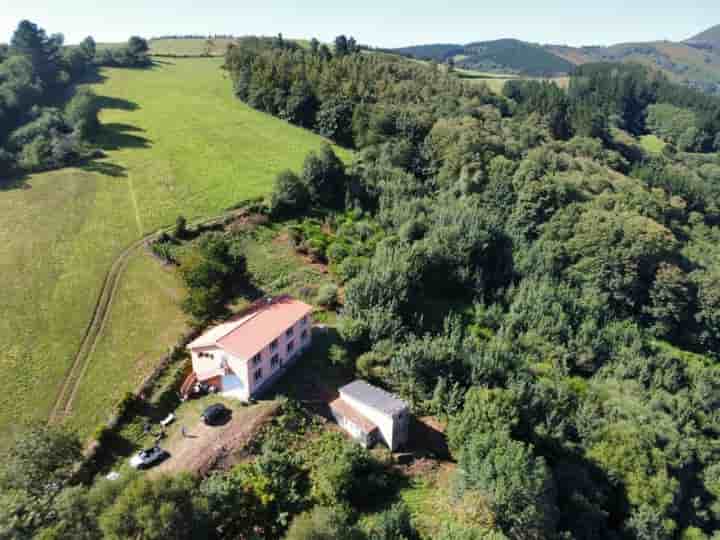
(327, 296)
(180, 230)
(339, 356)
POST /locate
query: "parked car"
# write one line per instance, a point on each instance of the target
(149, 457)
(215, 414)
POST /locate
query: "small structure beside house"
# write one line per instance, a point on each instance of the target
(245, 355)
(370, 415)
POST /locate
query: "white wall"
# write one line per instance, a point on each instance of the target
(393, 433)
(203, 365)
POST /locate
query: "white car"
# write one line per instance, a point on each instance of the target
(147, 458)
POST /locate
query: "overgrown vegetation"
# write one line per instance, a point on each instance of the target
(37, 130)
(516, 265)
(539, 280)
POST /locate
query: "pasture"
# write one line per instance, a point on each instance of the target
(176, 142)
(189, 46)
(496, 81)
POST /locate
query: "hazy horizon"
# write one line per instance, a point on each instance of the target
(373, 23)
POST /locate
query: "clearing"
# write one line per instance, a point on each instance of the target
(652, 144)
(203, 445)
(176, 142)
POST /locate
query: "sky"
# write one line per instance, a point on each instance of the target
(382, 23)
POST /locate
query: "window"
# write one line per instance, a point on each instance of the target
(289, 333)
(258, 375)
(304, 335)
(256, 359)
(274, 361)
(290, 346)
(274, 345)
(205, 355)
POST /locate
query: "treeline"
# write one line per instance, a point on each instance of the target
(503, 270)
(134, 54)
(35, 70)
(603, 96)
(194, 36)
(344, 94)
(302, 482)
(40, 128)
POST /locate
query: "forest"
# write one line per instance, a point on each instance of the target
(45, 121)
(541, 280)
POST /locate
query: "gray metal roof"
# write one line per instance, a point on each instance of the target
(374, 397)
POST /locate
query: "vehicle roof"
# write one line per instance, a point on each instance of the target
(214, 406)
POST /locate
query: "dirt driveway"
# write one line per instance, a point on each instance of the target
(204, 446)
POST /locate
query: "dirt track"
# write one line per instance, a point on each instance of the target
(71, 382)
(206, 446)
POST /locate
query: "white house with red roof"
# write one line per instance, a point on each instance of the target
(245, 355)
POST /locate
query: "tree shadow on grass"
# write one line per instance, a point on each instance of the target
(105, 168)
(108, 102)
(116, 136)
(14, 182)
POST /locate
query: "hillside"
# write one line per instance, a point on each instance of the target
(502, 55)
(177, 142)
(695, 62)
(711, 35)
(684, 63)
(189, 46)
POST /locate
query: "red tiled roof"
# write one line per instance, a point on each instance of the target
(351, 414)
(250, 333)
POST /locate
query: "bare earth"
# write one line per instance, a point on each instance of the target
(205, 446)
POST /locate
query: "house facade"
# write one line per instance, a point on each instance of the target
(370, 415)
(244, 356)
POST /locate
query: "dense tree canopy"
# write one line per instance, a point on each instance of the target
(540, 279)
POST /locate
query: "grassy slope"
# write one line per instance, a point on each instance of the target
(679, 61)
(189, 47)
(144, 323)
(496, 81)
(177, 142)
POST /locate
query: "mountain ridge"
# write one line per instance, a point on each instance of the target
(694, 62)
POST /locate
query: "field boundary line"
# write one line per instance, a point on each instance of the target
(62, 407)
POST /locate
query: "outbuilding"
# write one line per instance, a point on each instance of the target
(370, 415)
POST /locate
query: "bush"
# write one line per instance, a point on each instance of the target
(180, 230)
(351, 267)
(323, 523)
(327, 296)
(339, 356)
(290, 195)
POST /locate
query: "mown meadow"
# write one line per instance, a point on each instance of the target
(176, 141)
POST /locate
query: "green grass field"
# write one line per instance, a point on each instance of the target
(190, 47)
(496, 81)
(177, 142)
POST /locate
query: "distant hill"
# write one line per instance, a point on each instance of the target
(435, 51)
(502, 55)
(515, 56)
(711, 35)
(695, 64)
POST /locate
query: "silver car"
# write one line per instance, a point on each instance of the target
(149, 457)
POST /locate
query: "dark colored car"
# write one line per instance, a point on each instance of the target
(215, 414)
